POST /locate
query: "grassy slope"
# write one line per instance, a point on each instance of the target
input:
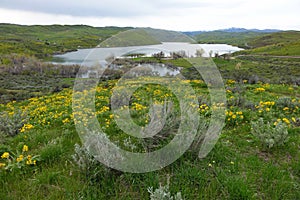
(237, 168)
(237, 39)
(42, 41)
(286, 43)
(282, 44)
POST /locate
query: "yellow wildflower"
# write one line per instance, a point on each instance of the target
(25, 148)
(5, 155)
(20, 158)
(260, 89)
(286, 120)
(65, 121)
(26, 127)
(2, 165)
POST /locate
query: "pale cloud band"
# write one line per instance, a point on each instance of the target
(169, 14)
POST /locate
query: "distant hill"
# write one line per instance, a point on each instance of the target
(235, 36)
(232, 30)
(243, 30)
(286, 43)
(45, 40)
(266, 41)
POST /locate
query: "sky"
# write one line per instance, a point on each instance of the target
(178, 15)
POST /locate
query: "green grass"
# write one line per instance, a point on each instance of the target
(44, 41)
(285, 43)
(237, 168)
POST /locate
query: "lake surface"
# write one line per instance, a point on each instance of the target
(96, 56)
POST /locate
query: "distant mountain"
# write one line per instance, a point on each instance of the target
(243, 30)
(233, 30)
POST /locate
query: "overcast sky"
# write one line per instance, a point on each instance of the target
(179, 15)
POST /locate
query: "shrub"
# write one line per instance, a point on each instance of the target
(269, 135)
(11, 123)
(162, 193)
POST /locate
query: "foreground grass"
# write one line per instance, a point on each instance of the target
(237, 168)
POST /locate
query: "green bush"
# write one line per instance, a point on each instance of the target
(270, 135)
(11, 123)
(162, 193)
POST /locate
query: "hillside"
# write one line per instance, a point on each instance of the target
(285, 43)
(43, 41)
(240, 39)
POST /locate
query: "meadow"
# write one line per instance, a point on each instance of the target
(42, 155)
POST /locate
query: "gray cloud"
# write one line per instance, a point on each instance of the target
(103, 8)
(111, 8)
(164, 14)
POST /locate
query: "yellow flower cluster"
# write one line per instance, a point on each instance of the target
(231, 82)
(29, 160)
(197, 81)
(25, 148)
(65, 121)
(5, 155)
(26, 127)
(267, 103)
(203, 108)
(285, 120)
(260, 89)
(20, 158)
(234, 115)
(138, 106)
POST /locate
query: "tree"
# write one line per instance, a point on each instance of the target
(199, 52)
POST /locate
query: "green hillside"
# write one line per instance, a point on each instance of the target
(43, 41)
(278, 44)
(240, 39)
(133, 37)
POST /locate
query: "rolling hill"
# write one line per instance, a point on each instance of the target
(286, 43)
(43, 41)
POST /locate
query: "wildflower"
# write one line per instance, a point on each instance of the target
(260, 89)
(268, 109)
(26, 127)
(286, 120)
(25, 148)
(285, 109)
(2, 165)
(210, 165)
(232, 162)
(5, 155)
(65, 121)
(20, 158)
(230, 82)
(233, 116)
(294, 119)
